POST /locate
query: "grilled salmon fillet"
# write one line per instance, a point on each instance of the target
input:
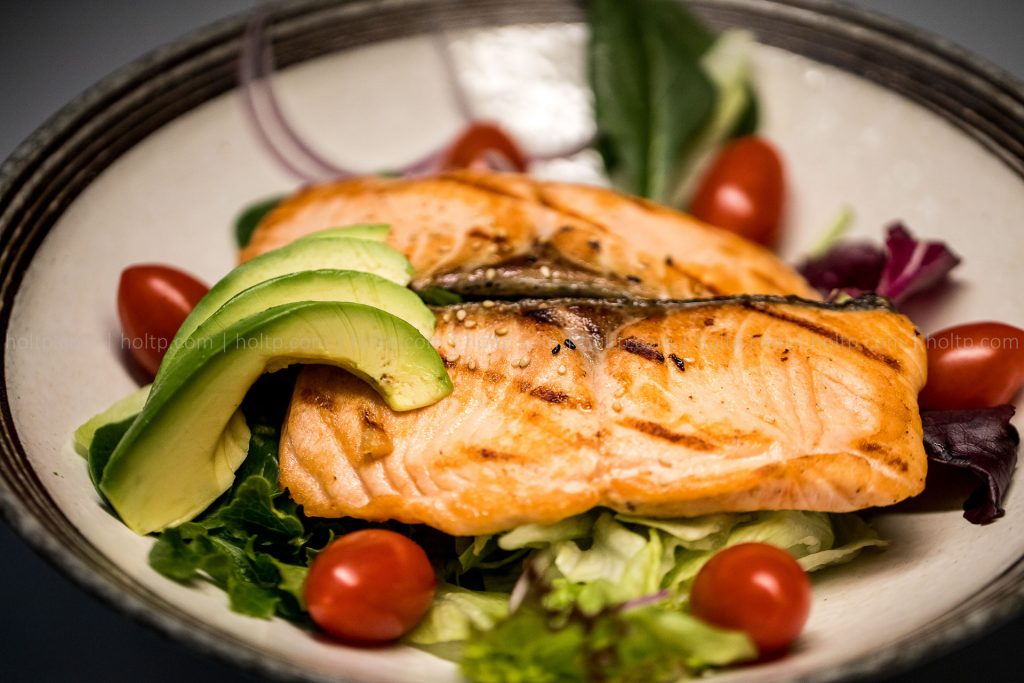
(505, 235)
(654, 408)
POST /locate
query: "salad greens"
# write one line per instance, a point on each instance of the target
(246, 222)
(667, 93)
(981, 441)
(651, 96)
(610, 597)
(906, 266)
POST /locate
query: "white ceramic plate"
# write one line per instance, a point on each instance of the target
(154, 163)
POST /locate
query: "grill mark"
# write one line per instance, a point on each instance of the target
(550, 395)
(468, 181)
(488, 454)
(827, 333)
(539, 196)
(708, 287)
(898, 463)
(642, 349)
(369, 421)
(320, 400)
(658, 431)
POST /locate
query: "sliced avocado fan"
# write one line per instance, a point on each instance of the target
(309, 285)
(176, 458)
(338, 253)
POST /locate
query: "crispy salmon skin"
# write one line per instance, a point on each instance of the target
(504, 235)
(655, 408)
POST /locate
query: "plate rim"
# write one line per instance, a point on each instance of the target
(1001, 130)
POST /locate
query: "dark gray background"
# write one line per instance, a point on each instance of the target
(49, 52)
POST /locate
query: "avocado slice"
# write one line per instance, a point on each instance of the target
(176, 458)
(341, 253)
(375, 232)
(309, 285)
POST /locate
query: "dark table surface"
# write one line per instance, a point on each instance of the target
(50, 51)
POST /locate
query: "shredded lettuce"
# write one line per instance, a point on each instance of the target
(456, 611)
(587, 633)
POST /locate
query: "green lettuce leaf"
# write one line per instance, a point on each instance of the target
(456, 612)
(565, 642)
(125, 409)
(637, 556)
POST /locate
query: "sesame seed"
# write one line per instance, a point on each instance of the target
(447, 317)
(471, 364)
(490, 273)
(620, 392)
(488, 304)
(470, 324)
(461, 315)
(501, 331)
(545, 271)
(454, 356)
(524, 361)
(616, 406)
(451, 341)
(561, 369)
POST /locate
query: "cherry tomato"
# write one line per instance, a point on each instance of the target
(978, 365)
(744, 191)
(152, 302)
(755, 588)
(485, 145)
(370, 586)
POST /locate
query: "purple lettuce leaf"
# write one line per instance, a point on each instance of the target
(905, 267)
(913, 266)
(981, 441)
(846, 266)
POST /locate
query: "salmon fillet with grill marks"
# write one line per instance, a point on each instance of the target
(501, 235)
(662, 409)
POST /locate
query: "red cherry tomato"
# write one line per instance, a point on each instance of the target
(152, 302)
(978, 365)
(744, 191)
(370, 586)
(755, 588)
(484, 145)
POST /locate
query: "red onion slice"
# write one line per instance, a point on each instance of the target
(296, 156)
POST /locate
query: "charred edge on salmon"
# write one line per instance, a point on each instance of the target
(829, 334)
(534, 306)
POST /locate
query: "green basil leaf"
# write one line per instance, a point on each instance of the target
(651, 95)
